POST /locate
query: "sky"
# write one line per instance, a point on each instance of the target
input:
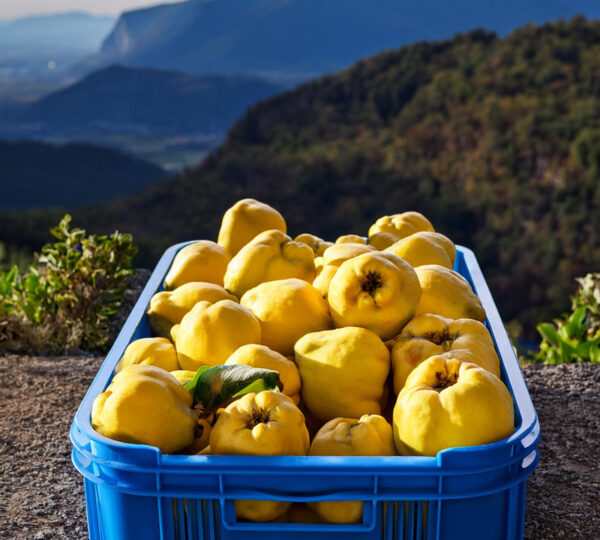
(12, 9)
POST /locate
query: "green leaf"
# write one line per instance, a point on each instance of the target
(256, 387)
(549, 332)
(595, 354)
(575, 326)
(190, 385)
(218, 384)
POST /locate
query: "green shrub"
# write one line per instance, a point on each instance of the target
(67, 296)
(574, 338)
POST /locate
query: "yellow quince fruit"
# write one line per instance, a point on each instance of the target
(269, 256)
(146, 405)
(260, 356)
(425, 248)
(287, 309)
(382, 240)
(318, 245)
(447, 403)
(156, 351)
(245, 220)
(209, 333)
(333, 257)
(429, 335)
(200, 261)
(350, 239)
(370, 435)
(446, 293)
(183, 375)
(377, 291)
(400, 225)
(263, 424)
(343, 372)
(167, 308)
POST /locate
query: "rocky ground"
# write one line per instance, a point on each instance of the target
(41, 495)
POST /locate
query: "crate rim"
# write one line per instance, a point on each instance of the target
(522, 442)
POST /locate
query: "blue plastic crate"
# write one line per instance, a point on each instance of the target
(135, 492)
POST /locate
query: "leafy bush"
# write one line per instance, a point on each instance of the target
(67, 296)
(576, 338)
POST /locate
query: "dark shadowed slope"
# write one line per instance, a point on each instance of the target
(34, 174)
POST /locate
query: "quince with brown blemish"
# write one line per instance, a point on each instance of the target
(429, 335)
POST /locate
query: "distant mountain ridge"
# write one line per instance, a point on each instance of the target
(303, 38)
(139, 100)
(40, 175)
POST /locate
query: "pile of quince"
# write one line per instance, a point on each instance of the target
(268, 345)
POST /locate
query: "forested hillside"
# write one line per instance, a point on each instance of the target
(496, 140)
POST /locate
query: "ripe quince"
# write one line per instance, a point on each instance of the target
(183, 375)
(269, 256)
(146, 405)
(425, 248)
(245, 220)
(399, 226)
(209, 333)
(318, 245)
(287, 309)
(382, 240)
(446, 293)
(447, 403)
(333, 257)
(263, 424)
(200, 261)
(350, 239)
(167, 308)
(260, 356)
(156, 351)
(377, 291)
(371, 435)
(343, 372)
(428, 335)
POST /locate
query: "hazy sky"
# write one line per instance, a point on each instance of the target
(11, 9)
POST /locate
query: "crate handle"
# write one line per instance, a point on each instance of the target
(230, 522)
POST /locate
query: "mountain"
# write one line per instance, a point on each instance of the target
(55, 34)
(37, 51)
(169, 118)
(39, 175)
(496, 140)
(298, 39)
(131, 100)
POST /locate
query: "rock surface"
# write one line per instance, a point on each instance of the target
(41, 494)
